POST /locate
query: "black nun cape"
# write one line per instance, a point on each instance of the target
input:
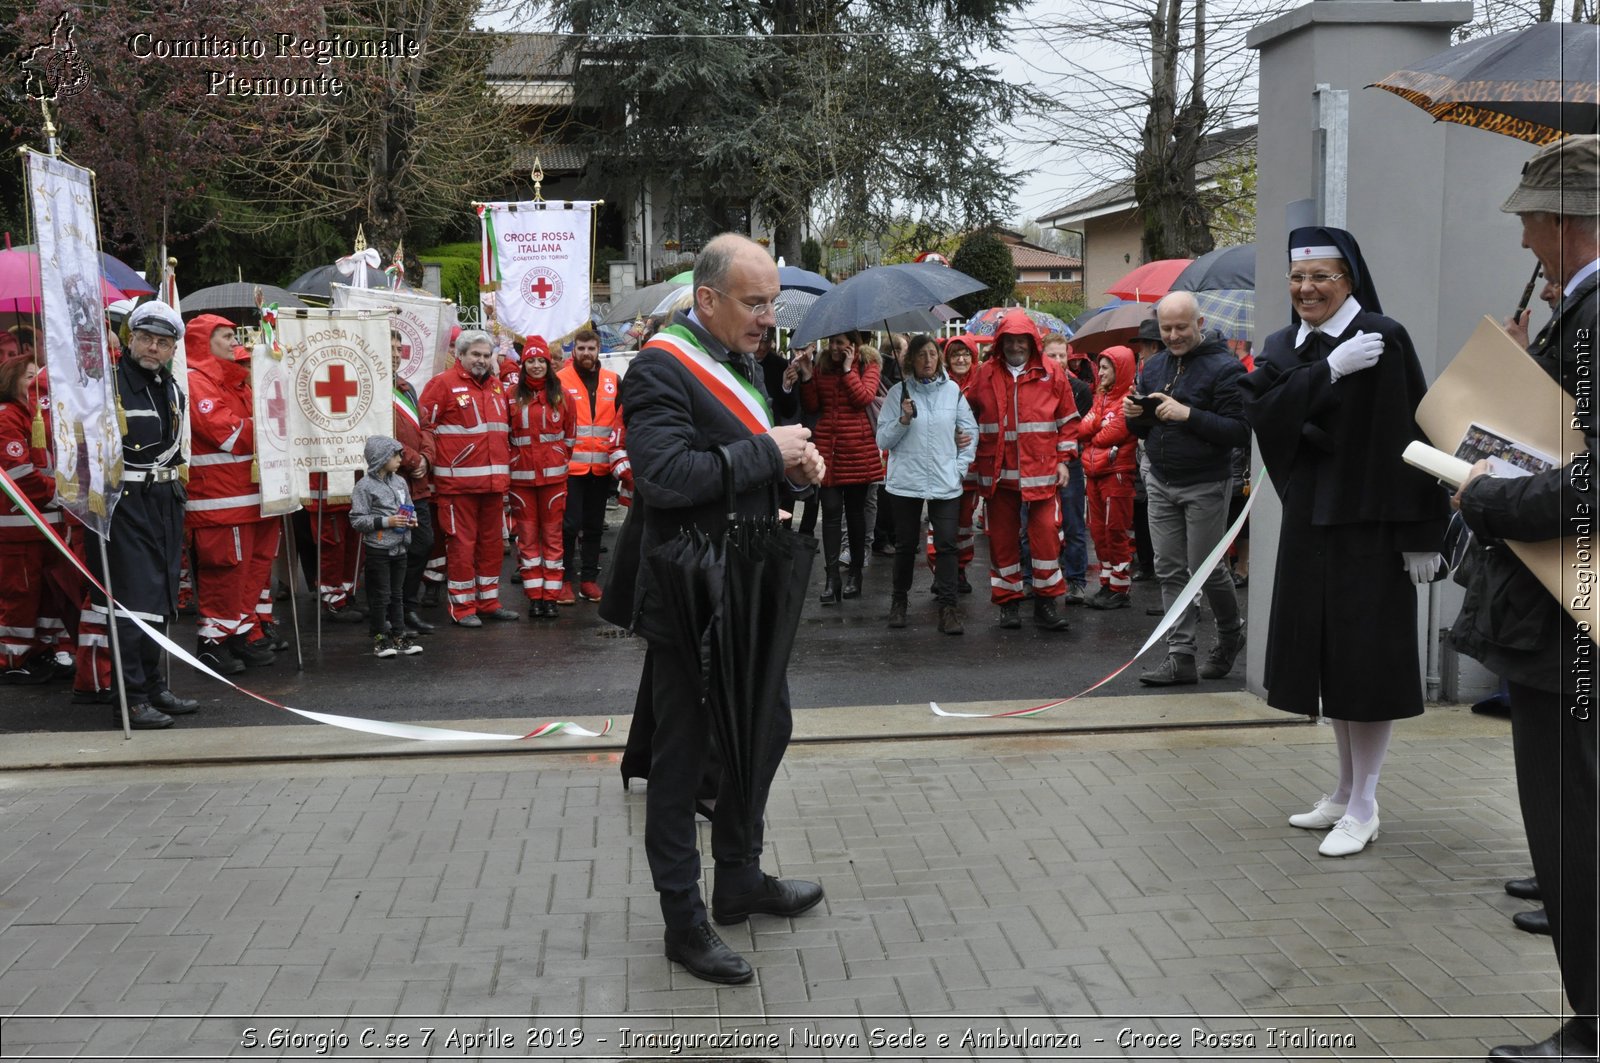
(1344, 611)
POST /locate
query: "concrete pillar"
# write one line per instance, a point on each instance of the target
(1422, 197)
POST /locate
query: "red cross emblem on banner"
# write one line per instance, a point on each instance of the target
(333, 386)
(542, 288)
(278, 409)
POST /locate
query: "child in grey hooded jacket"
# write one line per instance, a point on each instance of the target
(382, 511)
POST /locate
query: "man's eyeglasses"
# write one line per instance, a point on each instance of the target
(160, 343)
(1318, 279)
(756, 309)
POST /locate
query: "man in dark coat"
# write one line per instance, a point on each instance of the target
(1516, 628)
(1195, 422)
(695, 388)
(146, 541)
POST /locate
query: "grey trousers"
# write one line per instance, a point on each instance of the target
(1186, 523)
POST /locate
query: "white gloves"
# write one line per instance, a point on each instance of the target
(1355, 354)
(1421, 566)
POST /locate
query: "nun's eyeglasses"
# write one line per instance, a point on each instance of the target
(1319, 279)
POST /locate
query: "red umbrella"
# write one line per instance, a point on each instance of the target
(1150, 281)
(19, 283)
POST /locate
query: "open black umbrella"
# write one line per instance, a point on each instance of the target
(240, 296)
(317, 283)
(1534, 84)
(881, 294)
(1225, 269)
(734, 607)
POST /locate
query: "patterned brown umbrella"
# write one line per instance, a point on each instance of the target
(1535, 84)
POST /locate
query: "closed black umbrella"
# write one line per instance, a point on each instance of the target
(1534, 84)
(1225, 269)
(734, 607)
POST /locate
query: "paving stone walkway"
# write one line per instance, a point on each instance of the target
(1043, 897)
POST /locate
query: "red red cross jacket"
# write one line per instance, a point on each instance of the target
(223, 437)
(465, 418)
(1027, 423)
(541, 441)
(28, 466)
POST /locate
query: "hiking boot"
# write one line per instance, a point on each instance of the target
(897, 611)
(1220, 662)
(254, 654)
(1009, 620)
(272, 637)
(1176, 670)
(1074, 595)
(383, 646)
(430, 593)
(962, 586)
(950, 620)
(28, 674)
(215, 656)
(1109, 599)
(1047, 617)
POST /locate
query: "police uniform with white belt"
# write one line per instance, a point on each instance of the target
(146, 541)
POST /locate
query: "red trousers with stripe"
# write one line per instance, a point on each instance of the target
(231, 565)
(536, 515)
(22, 587)
(1110, 501)
(1005, 546)
(341, 553)
(473, 552)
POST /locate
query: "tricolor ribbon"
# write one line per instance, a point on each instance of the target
(416, 732)
(489, 275)
(1185, 596)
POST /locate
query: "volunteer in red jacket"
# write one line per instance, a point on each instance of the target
(1110, 467)
(233, 544)
(541, 447)
(1027, 435)
(591, 395)
(839, 393)
(464, 417)
(23, 550)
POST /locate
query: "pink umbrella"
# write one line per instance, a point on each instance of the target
(19, 283)
(1149, 282)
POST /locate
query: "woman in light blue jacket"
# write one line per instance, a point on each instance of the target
(931, 436)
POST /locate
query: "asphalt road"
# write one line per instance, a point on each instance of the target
(844, 655)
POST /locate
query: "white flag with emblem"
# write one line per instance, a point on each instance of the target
(538, 254)
(337, 385)
(270, 388)
(423, 321)
(71, 307)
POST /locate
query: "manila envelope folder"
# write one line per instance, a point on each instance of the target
(1495, 383)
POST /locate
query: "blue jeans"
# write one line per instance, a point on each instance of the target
(1074, 530)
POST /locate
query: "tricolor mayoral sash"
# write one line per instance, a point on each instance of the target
(739, 395)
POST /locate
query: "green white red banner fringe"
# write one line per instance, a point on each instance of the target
(1185, 597)
(415, 732)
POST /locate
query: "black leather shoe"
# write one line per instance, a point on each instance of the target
(142, 717)
(775, 896)
(1534, 922)
(419, 625)
(470, 620)
(1008, 616)
(171, 704)
(700, 950)
(1570, 1043)
(1526, 889)
(1047, 617)
(93, 697)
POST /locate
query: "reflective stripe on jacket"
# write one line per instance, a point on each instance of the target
(466, 420)
(591, 428)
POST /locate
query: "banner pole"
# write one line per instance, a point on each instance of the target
(116, 641)
(317, 592)
(294, 599)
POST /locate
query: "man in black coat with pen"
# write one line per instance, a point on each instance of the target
(1513, 625)
(694, 389)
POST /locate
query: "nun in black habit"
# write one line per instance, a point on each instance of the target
(1333, 402)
